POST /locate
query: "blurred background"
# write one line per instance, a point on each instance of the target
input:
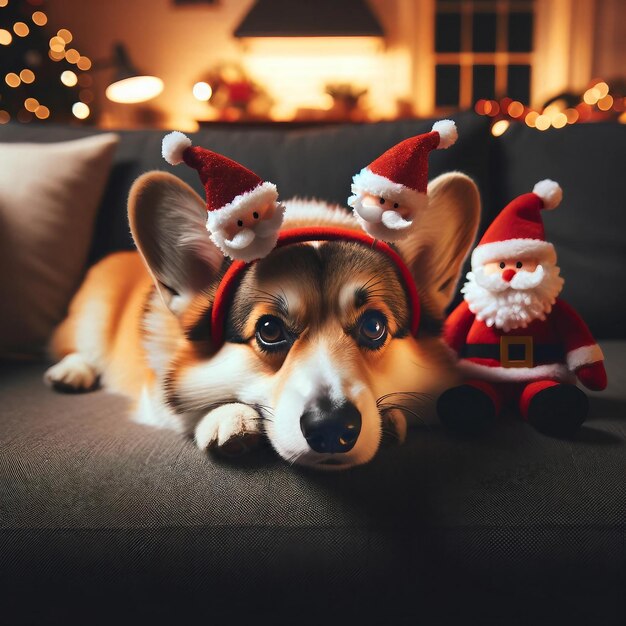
(192, 63)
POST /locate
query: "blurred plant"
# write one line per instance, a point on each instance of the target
(347, 101)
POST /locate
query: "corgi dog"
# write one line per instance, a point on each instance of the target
(316, 358)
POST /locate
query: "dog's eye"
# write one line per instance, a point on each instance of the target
(271, 334)
(372, 330)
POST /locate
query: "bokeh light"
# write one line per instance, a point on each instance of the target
(27, 76)
(42, 112)
(80, 110)
(499, 127)
(69, 78)
(30, 104)
(40, 18)
(65, 35)
(604, 104)
(531, 118)
(72, 55)
(202, 91)
(12, 80)
(516, 109)
(84, 63)
(57, 44)
(21, 29)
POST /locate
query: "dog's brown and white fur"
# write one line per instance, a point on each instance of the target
(146, 334)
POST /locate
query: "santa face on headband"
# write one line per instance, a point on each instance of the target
(382, 217)
(389, 194)
(250, 234)
(244, 215)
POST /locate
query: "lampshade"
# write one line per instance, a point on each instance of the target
(129, 84)
(307, 18)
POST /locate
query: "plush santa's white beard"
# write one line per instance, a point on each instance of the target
(253, 243)
(510, 305)
(390, 226)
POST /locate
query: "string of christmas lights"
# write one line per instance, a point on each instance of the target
(596, 103)
(32, 88)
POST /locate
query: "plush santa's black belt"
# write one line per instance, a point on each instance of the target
(546, 353)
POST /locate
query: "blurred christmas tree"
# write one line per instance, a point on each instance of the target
(42, 77)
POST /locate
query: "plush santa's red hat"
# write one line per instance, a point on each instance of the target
(518, 230)
(401, 173)
(231, 189)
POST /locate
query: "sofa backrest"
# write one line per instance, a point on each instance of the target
(588, 229)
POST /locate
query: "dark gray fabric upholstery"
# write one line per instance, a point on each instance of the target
(96, 510)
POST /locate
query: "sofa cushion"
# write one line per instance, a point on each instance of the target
(96, 511)
(49, 196)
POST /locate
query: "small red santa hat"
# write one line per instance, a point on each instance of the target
(231, 189)
(518, 230)
(401, 173)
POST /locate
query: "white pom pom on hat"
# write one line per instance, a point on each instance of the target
(173, 146)
(550, 192)
(448, 133)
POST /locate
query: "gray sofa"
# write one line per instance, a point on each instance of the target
(106, 521)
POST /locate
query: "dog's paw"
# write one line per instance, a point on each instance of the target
(71, 374)
(231, 430)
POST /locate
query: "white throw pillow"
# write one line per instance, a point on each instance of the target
(49, 197)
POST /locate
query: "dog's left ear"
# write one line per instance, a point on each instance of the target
(441, 239)
(167, 220)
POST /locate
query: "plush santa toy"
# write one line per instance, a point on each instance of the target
(516, 341)
(244, 215)
(389, 193)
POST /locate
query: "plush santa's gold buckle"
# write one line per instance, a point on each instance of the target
(505, 351)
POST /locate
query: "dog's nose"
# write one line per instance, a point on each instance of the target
(332, 431)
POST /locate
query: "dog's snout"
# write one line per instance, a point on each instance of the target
(331, 429)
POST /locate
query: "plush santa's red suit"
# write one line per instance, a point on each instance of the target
(515, 340)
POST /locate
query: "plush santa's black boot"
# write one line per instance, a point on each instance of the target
(558, 410)
(466, 410)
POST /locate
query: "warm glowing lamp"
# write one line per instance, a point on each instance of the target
(130, 85)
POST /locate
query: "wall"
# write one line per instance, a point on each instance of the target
(576, 39)
(180, 43)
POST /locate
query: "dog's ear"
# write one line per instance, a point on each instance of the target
(441, 239)
(167, 220)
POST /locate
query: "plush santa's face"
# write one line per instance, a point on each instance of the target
(250, 234)
(510, 293)
(381, 217)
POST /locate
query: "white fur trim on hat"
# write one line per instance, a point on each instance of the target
(241, 205)
(368, 182)
(550, 192)
(512, 249)
(448, 133)
(173, 146)
(585, 355)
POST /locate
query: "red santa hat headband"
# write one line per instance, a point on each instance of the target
(231, 189)
(231, 279)
(518, 230)
(401, 173)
